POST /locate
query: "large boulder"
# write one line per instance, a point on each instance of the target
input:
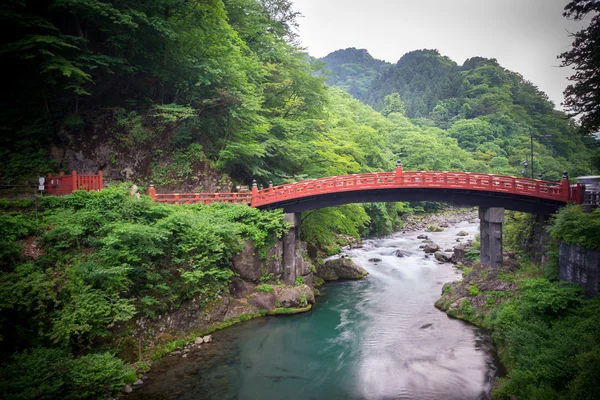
(431, 248)
(459, 254)
(263, 300)
(340, 268)
(440, 256)
(289, 297)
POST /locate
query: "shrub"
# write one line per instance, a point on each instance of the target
(44, 373)
(266, 288)
(577, 228)
(97, 376)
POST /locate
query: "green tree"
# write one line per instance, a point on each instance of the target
(583, 96)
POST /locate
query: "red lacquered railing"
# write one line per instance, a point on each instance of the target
(560, 191)
(65, 184)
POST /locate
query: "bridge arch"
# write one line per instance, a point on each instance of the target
(491, 193)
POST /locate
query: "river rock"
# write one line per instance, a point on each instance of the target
(399, 253)
(459, 254)
(288, 298)
(431, 248)
(207, 339)
(374, 259)
(340, 268)
(198, 340)
(441, 256)
(308, 293)
(422, 236)
(139, 382)
(462, 233)
(127, 389)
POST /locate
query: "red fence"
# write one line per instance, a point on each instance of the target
(65, 184)
(559, 191)
(202, 198)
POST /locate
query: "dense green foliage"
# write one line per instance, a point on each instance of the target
(547, 335)
(106, 257)
(353, 70)
(550, 341)
(219, 84)
(58, 375)
(490, 111)
(575, 227)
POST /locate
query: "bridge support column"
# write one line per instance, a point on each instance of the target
(490, 228)
(289, 249)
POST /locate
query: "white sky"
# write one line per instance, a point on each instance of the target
(523, 35)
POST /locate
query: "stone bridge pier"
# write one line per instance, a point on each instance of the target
(490, 229)
(289, 248)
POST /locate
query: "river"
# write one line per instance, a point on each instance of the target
(377, 338)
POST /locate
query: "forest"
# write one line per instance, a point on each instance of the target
(172, 89)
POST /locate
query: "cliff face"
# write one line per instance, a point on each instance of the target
(580, 265)
(257, 288)
(139, 150)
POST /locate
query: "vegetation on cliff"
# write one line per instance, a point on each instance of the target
(547, 334)
(77, 269)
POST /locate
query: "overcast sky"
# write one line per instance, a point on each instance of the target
(523, 35)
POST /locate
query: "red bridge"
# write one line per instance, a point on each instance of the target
(461, 188)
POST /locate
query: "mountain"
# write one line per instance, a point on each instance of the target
(491, 111)
(353, 70)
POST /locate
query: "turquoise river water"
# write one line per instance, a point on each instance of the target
(377, 338)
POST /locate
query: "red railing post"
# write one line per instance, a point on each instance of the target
(100, 180)
(152, 191)
(254, 197)
(565, 187)
(74, 180)
(398, 173)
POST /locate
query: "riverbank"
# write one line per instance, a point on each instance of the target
(547, 334)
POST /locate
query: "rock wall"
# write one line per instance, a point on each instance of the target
(536, 243)
(258, 285)
(580, 265)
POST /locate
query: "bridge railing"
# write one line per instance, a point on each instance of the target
(421, 179)
(559, 191)
(65, 184)
(202, 198)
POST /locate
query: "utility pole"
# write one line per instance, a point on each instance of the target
(531, 137)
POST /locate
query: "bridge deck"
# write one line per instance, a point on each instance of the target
(520, 188)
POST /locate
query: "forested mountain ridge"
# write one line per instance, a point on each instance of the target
(491, 111)
(353, 70)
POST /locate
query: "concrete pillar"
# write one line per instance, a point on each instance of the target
(490, 228)
(289, 249)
